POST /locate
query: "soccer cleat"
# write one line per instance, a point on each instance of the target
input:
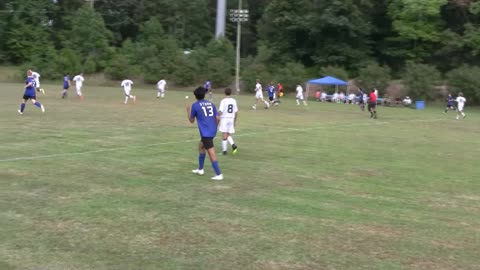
(20, 112)
(254, 107)
(235, 149)
(464, 116)
(224, 153)
(42, 90)
(42, 108)
(199, 172)
(218, 177)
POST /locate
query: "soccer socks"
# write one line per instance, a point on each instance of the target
(38, 104)
(64, 94)
(224, 145)
(22, 107)
(230, 140)
(216, 168)
(126, 99)
(201, 160)
(298, 102)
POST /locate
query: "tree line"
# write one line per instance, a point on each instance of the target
(426, 43)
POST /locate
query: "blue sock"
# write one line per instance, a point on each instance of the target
(216, 168)
(22, 107)
(38, 104)
(201, 161)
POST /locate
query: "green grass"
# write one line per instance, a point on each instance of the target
(102, 185)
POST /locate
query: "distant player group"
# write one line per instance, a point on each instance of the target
(206, 114)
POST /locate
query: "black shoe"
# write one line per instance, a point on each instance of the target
(234, 149)
(224, 153)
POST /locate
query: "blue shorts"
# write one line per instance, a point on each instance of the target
(66, 86)
(27, 97)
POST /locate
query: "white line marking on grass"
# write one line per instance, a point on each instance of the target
(329, 125)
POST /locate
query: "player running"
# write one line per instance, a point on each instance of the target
(299, 96)
(161, 85)
(271, 93)
(450, 106)
(78, 79)
(228, 112)
(460, 105)
(208, 88)
(259, 96)
(29, 93)
(36, 76)
(127, 88)
(372, 104)
(66, 85)
(206, 114)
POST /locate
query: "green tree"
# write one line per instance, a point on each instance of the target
(420, 80)
(157, 51)
(89, 38)
(465, 79)
(290, 75)
(374, 76)
(28, 29)
(334, 71)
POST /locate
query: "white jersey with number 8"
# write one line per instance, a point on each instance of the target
(228, 107)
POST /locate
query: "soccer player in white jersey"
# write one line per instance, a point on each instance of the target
(161, 85)
(127, 88)
(36, 77)
(78, 79)
(228, 112)
(259, 96)
(299, 96)
(460, 104)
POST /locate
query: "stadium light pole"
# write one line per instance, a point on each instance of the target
(220, 24)
(238, 15)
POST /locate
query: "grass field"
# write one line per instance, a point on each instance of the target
(102, 185)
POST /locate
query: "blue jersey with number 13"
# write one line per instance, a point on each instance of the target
(206, 114)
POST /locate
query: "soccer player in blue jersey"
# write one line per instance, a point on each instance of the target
(208, 88)
(450, 105)
(66, 85)
(206, 114)
(271, 92)
(29, 93)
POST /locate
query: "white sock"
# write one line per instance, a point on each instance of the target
(224, 145)
(463, 114)
(230, 140)
(158, 94)
(126, 99)
(162, 95)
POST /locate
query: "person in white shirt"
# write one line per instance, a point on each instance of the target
(259, 96)
(36, 77)
(299, 96)
(460, 105)
(228, 112)
(351, 98)
(341, 97)
(127, 88)
(78, 79)
(323, 97)
(407, 101)
(335, 97)
(161, 85)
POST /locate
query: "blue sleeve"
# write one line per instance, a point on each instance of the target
(215, 113)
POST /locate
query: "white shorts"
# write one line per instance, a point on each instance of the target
(79, 89)
(259, 94)
(161, 90)
(460, 108)
(127, 92)
(227, 125)
(37, 83)
(299, 97)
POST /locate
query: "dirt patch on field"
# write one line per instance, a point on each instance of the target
(377, 230)
(276, 265)
(427, 264)
(364, 173)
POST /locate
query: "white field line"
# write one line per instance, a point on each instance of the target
(329, 125)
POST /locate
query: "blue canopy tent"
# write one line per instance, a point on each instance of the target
(329, 80)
